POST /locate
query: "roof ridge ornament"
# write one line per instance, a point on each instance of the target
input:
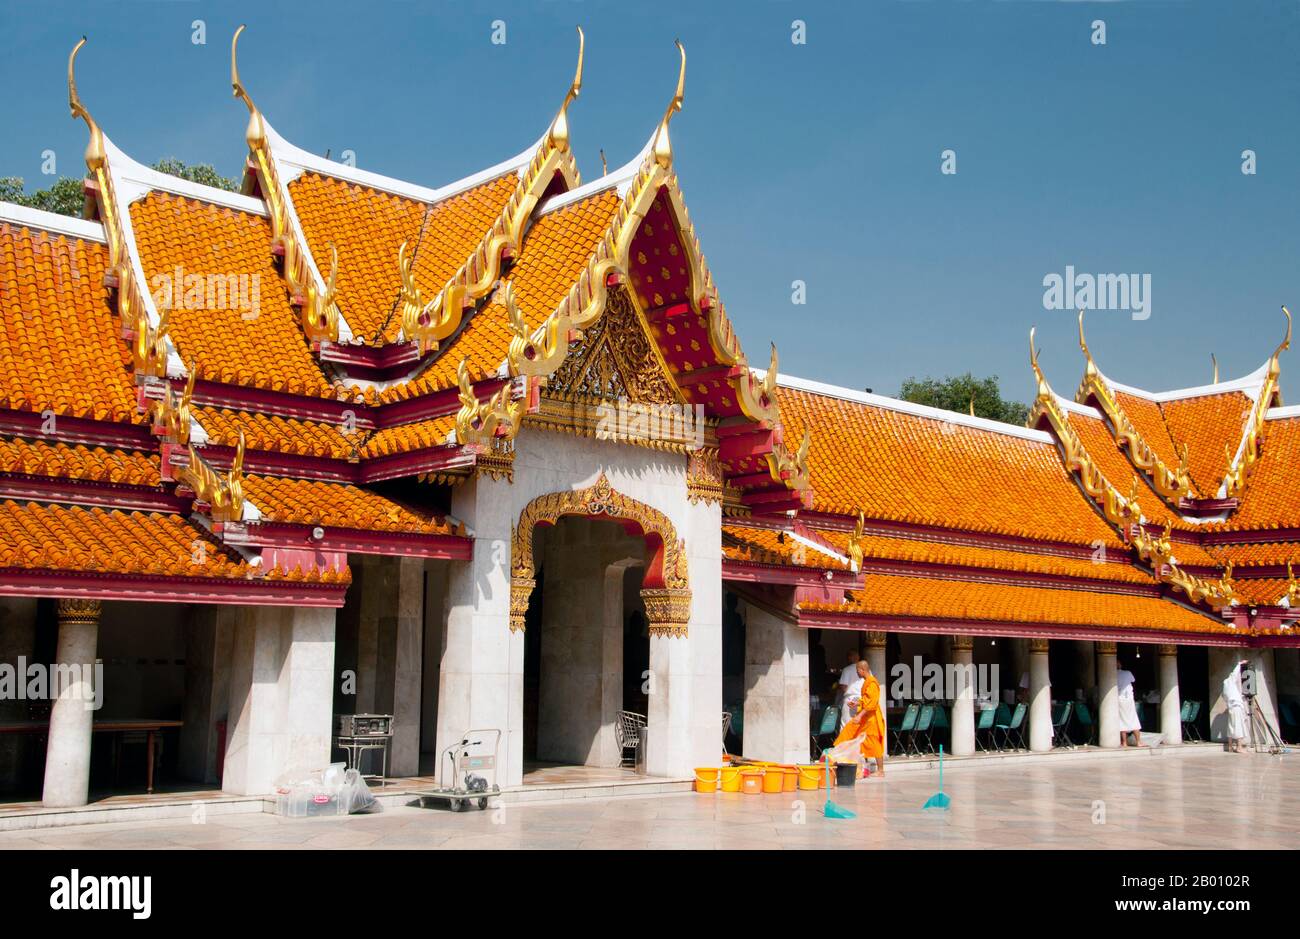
(663, 148)
(256, 132)
(1215, 363)
(1248, 454)
(558, 135)
(1172, 484)
(95, 156)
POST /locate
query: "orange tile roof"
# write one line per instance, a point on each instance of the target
(887, 595)
(903, 467)
(279, 434)
(1146, 417)
(1258, 555)
(1207, 423)
(266, 350)
(366, 226)
(453, 228)
(1116, 566)
(555, 251)
(93, 464)
(767, 546)
(1272, 498)
(1260, 592)
(60, 342)
(56, 537)
(407, 437)
(336, 505)
(1115, 466)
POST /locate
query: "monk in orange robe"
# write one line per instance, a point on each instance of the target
(863, 701)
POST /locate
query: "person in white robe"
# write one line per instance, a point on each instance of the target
(1128, 715)
(1236, 705)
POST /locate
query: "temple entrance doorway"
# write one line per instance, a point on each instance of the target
(586, 648)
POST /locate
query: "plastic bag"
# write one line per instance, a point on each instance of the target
(850, 751)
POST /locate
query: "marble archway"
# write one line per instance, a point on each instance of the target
(665, 587)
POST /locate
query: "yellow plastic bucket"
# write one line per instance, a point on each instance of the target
(730, 778)
(789, 778)
(751, 781)
(773, 779)
(706, 779)
(811, 776)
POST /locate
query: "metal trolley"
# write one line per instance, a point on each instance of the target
(472, 762)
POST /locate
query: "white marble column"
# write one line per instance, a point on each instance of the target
(1040, 697)
(1171, 724)
(776, 688)
(67, 751)
(1107, 696)
(281, 696)
(963, 705)
(481, 677)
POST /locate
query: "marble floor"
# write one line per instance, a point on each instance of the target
(1175, 801)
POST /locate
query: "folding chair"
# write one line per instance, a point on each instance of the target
(726, 729)
(924, 726)
(627, 735)
(1060, 720)
(906, 727)
(984, 726)
(1012, 729)
(829, 727)
(1189, 723)
(1083, 717)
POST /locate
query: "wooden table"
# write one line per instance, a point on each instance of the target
(150, 728)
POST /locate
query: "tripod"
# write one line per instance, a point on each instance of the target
(1263, 738)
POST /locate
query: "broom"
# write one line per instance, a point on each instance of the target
(830, 809)
(938, 800)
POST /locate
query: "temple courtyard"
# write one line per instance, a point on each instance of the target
(1197, 798)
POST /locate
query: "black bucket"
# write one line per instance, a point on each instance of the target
(846, 774)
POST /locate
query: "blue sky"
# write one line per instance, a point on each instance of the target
(817, 162)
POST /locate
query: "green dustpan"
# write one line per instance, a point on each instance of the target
(830, 809)
(938, 800)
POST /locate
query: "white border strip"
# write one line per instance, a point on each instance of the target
(297, 161)
(52, 222)
(1248, 385)
(907, 407)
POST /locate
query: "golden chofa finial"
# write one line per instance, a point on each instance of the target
(1286, 341)
(663, 146)
(1033, 362)
(604, 167)
(559, 135)
(1091, 366)
(256, 132)
(1215, 364)
(95, 146)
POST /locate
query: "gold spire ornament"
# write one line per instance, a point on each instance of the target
(855, 543)
(1215, 363)
(663, 148)
(559, 133)
(1234, 484)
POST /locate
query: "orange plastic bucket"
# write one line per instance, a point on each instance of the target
(730, 776)
(789, 778)
(773, 778)
(811, 776)
(706, 779)
(751, 781)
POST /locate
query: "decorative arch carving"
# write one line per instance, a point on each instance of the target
(666, 585)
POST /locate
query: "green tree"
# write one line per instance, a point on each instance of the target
(65, 197)
(956, 392)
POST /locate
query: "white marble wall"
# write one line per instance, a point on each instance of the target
(481, 679)
(281, 696)
(776, 719)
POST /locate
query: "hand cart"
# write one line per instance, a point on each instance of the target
(472, 770)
